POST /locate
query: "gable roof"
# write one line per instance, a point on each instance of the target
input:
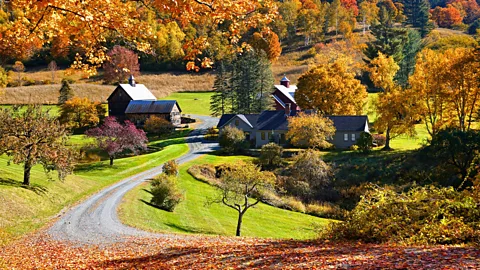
(147, 106)
(349, 122)
(272, 120)
(137, 92)
(287, 92)
(249, 119)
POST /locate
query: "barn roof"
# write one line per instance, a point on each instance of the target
(151, 107)
(287, 92)
(137, 92)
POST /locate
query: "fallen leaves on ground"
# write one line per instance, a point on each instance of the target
(205, 252)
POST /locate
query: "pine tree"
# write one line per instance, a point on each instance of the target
(221, 101)
(410, 50)
(417, 12)
(66, 92)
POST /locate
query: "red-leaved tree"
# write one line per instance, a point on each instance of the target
(446, 17)
(122, 62)
(115, 138)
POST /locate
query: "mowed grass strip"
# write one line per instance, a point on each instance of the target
(27, 209)
(193, 216)
(192, 102)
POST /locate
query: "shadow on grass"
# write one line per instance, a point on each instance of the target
(37, 189)
(88, 167)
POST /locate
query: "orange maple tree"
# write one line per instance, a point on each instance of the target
(89, 24)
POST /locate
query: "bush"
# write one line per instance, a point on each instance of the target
(365, 142)
(474, 27)
(309, 167)
(157, 125)
(291, 203)
(353, 147)
(232, 140)
(326, 210)
(3, 78)
(271, 155)
(212, 133)
(379, 139)
(165, 192)
(170, 168)
(423, 215)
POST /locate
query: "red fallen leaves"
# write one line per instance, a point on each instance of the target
(204, 252)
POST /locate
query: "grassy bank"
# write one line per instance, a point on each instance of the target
(25, 209)
(192, 102)
(192, 216)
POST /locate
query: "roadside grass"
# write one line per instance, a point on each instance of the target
(193, 216)
(192, 102)
(25, 209)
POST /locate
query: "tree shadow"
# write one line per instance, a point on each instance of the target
(37, 189)
(88, 167)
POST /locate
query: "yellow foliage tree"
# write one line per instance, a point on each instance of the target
(310, 130)
(81, 113)
(331, 88)
(396, 107)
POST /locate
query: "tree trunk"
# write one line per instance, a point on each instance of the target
(239, 223)
(387, 141)
(26, 174)
(111, 161)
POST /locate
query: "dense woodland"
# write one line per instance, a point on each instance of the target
(423, 81)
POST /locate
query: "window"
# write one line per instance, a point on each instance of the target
(345, 137)
(353, 137)
(237, 122)
(263, 135)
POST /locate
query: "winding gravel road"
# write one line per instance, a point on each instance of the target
(95, 220)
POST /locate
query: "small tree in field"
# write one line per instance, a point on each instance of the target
(271, 155)
(115, 138)
(170, 167)
(309, 167)
(241, 187)
(81, 113)
(66, 92)
(52, 66)
(19, 68)
(231, 139)
(310, 130)
(31, 136)
(158, 126)
(166, 194)
(122, 63)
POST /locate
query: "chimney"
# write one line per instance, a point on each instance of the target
(131, 81)
(287, 109)
(285, 82)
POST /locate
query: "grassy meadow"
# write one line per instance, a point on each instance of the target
(192, 102)
(193, 216)
(25, 209)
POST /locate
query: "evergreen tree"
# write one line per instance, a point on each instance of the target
(221, 101)
(410, 50)
(66, 93)
(417, 12)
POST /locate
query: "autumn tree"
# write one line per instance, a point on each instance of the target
(157, 125)
(368, 11)
(231, 139)
(286, 25)
(66, 92)
(30, 135)
(428, 84)
(90, 26)
(271, 155)
(268, 43)
(115, 138)
(3, 78)
(331, 88)
(243, 186)
(311, 17)
(122, 62)
(396, 107)
(52, 66)
(447, 16)
(309, 167)
(310, 130)
(19, 68)
(78, 113)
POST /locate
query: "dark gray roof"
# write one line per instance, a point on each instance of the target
(250, 119)
(349, 122)
(272, 120)
(146, 106)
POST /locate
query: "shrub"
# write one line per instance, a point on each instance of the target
(165, 192)
(291, 203)
(170, 167)
(474, 27)
(309, 167)
(423, 215)
(212, 133)
(271, 155)
(232, 140)
(3, 78)
(365, 142)
(353, 147)
(157, 125)
(379, 139)
(325, 210)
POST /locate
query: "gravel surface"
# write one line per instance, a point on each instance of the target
(95, 220)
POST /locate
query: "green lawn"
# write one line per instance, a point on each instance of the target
(53, 109)
(192, 103)
(27, 209)
(192, 216)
